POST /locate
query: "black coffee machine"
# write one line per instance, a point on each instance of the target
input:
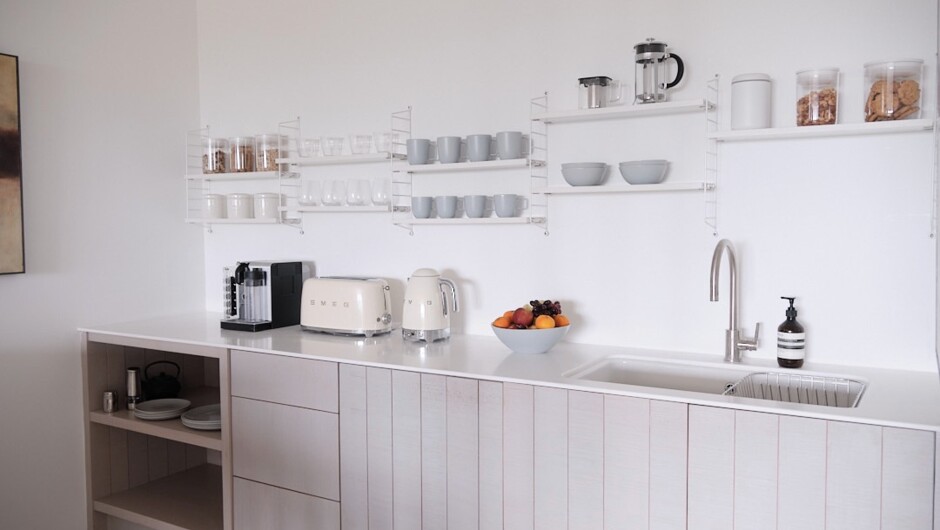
(259, 295)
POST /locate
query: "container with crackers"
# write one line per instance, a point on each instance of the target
(817, 94)
(893, 90)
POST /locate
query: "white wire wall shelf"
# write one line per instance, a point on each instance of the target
(818, 131)
(629, 188)
(343, 209)
(365, 158)
(466, 166)
(247, 175)
(472, 221)
(229, 221)
(623, 111)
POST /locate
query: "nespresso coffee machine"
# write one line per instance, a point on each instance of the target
(259, 295)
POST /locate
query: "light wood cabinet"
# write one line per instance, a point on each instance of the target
(262, 506)
(156, 474)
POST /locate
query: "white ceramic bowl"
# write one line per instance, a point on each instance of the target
(584, 173)
(530, 340)
(644, 171)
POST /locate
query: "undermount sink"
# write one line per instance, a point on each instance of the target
(734, 380)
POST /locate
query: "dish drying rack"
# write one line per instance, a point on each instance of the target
(798, 388)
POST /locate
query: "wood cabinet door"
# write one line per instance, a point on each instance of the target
(262, 506)
(287, 380)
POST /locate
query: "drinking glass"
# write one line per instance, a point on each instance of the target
(310, 195)
(358, 192)
(381, 191)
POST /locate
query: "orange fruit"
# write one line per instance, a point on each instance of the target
(544, 321)
(561, 320)
(502, 322)
(508, 314)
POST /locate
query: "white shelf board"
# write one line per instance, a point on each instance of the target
(816, 131)
(513, 163)
(467, 221)
(248, 175)
(188, 500)
(623, 188)
(257, 221)
(621, 111)
(342, 209)
(365, 158)
(167, 429)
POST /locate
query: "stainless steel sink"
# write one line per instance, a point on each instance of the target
(710, 378)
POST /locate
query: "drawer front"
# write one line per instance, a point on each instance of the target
(288, 380)
(262, 506)
(288, 447)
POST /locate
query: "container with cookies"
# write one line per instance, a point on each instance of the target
(215, 155)
(817, 93)
(893, 90)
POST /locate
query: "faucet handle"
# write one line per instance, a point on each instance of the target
(751, 344)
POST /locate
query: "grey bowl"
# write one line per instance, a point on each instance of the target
(584, 173)
(644, 171)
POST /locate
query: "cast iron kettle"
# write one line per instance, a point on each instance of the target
(163, 385)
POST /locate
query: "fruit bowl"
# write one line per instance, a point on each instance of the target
(530, 340)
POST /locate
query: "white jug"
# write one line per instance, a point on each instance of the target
(425, 315)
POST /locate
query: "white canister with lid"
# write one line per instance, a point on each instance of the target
(750, 101)
(240, 206)
(267, 205)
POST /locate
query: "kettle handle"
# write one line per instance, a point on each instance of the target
(453, 293)
(680, 69)
(147, 368)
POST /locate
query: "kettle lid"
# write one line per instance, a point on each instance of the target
(425, 273)
(601, 80)
(651, 49)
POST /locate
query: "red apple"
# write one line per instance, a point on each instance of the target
(522, 317)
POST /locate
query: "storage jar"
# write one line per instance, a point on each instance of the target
(893, 90)
(267, 205)
(267, 150)
(215, 155)
(817, 93)
(750, 101)
(243, 154)
(240, 206)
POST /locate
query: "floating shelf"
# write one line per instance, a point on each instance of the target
(342, 209)
(817, 131)
(467, 166)
(248, 175)
(629, 188)
(340, 159)
(261, 221)
(623, 111)
(188, 500)
(472, 221)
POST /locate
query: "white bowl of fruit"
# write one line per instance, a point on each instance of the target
(533, 328)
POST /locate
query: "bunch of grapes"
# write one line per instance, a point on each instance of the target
(545, 307)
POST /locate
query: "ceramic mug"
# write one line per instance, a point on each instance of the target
(478, 147)
(421, 207)
(474, 205)
(446, 206)
(418, 150)
(505, 204)
(448, 149)
(509, 145)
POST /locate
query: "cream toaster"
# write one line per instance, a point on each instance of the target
(346, 306)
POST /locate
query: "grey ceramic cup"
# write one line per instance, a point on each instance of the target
(418, 150)
(478, 147)
(421, 207)
(448, 149)
(446, 206)
(509, 145)
(474, 205)
(505, 204)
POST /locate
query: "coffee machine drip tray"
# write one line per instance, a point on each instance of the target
(245, 325)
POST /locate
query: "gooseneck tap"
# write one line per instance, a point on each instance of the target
(734, 342)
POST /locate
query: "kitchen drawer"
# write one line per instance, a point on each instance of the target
(288, 447)
(288, 380)
(262, 506)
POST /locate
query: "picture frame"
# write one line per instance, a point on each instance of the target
(12, 234)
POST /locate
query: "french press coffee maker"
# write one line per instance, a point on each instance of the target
(651, 84)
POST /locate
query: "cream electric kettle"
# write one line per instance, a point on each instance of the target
(425, 316)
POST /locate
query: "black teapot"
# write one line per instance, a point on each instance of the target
(163, 385)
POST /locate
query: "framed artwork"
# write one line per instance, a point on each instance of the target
(12, 259)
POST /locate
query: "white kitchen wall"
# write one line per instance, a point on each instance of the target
(843, 224)
(108, 90)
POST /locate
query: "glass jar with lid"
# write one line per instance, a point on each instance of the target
(817, 93)
(268, 150)
(243, 154)
(215, 155)
(893, 90)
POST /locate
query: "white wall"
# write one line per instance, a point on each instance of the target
(842, 224)
(108, 90)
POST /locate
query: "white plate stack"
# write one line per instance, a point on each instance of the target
(161, 409)
(206, 418)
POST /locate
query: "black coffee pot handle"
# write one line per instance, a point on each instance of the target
(680, 69)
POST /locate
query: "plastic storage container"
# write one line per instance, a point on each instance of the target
(750, 101)
(215, 155)
(893, 90)
(268, 150)
(817, 93)
(243, 154)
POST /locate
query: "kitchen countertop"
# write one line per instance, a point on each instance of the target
(893, 398)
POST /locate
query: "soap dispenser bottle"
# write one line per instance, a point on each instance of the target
(791, 339)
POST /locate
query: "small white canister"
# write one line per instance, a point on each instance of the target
(214, 206)
(267, 205)
(750, 101)
(240, 206)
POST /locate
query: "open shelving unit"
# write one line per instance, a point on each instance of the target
(628, 188)
(819, 131)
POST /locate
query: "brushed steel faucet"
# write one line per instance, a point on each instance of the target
(734, 342)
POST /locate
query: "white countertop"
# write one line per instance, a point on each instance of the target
(893, 397)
